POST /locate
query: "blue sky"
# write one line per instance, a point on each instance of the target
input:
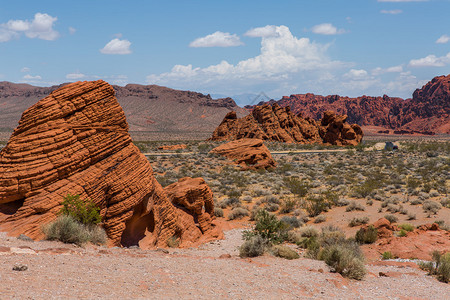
(351, 48)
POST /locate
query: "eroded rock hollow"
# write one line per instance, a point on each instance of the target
(76, 141)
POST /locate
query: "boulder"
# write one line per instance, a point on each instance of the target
(76, 141)
(248, 153)
(276, 123)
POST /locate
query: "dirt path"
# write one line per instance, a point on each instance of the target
(57, 270)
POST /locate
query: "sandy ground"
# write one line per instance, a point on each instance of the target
(56, 270)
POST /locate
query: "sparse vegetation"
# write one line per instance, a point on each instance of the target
(439, 267)
(366, 235)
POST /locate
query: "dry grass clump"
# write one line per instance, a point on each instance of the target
(238, 213)
(357, 221)
(284, 252)
(355, 206)
(439, 267)
(67, 230)
(254, 246)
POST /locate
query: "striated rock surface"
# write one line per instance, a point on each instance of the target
(428, 111)
(249, 153)
(76, 141)
(276, 123)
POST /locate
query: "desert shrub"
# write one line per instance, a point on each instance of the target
(341, 202)
(355, 206)
(83, 211)
(369, 202)
(218, 212)
(406, 227)
(401, 233)
(366, 235)
(431, 207)
(68, 230)
(288, 205)
(272, 207)
(269, 227)
(411, 216)
(234, 193)
(315, 205)
(247, 198)
(238, 213)
(284, 252)
(309, 231)
(391, 218)
(320, 219)
(445, 202)
(345, 259)
(357, 221)
(387, 255)
(297, 187)
(293, 222)
(254, 246)
(440, 267)
(204, 148)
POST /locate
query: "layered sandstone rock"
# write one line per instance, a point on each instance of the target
(275, 123)
(248, 153)
(76, 141)
(427, 112)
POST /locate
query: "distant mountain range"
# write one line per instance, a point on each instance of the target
(172, 114)
(428, 111)
(148, 108)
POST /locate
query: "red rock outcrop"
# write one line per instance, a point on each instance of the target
(416, 244)
(275, 123)
(76, 141)
(248, 153)
(427, 112)
(173, 147)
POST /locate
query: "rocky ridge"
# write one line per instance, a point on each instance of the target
(276, 123)
(76, 141)
(427, 112)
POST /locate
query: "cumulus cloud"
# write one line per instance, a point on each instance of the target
(392, 12)
(266, 31)
(394, 69)
(444, 39)
(217, 39)
(327, 29)
(76, 75)
(431, 61)
(356, 74)
(283, 63)
(40, 27)
(72, 30)
(117, 46)
(25, 70)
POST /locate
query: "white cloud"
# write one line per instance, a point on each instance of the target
(391, 12)
(217, 39)
(266, 31)
(431, 61)
(284, 62)
(72, 30)
(30, 77)
(40, 27)
(117, 46)
(444, 39)
(356, 74)
(327, 29)
(394, 69)
(25, 70)
(77, 75)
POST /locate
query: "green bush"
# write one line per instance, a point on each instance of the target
(314, 206)
(83, 211)
(345, 259)
(387, 255)
(269, 227)
(406, 227)
(440, 267)
(284, 252)
(297, 187)
(366, 235)
(254, 246)
(68, 230)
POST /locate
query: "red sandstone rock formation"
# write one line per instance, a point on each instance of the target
(275, 123)
(76, 141)
(428, 111)
(416, 244)
(173, 147)
(248, 153)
